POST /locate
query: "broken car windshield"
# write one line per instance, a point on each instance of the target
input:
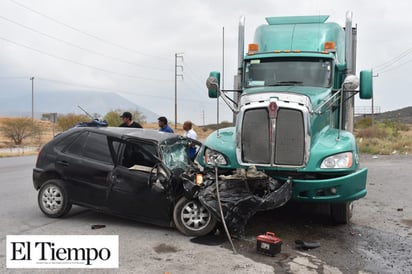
(175, 155)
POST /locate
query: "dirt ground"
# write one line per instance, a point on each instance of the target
(377, 240)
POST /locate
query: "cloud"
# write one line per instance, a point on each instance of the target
(129, 48)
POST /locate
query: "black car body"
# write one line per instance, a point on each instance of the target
(146, 175)
(133, 173)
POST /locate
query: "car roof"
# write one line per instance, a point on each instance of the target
(126, 133)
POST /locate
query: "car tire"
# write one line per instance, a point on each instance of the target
(192, 219)
(342, 212)
(53, 199)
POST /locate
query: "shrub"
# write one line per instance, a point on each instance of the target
(18, 129)
(372, 132)
(364, 122)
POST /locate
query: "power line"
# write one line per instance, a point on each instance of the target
(393, 68)
(80, 47)
(85, 33)
(386, 65)
(196, 76)
(114, 91)
(196, 83)
(13, 78)
(99, 88)
(78, 63)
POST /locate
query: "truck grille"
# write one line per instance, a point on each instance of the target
(289, 138)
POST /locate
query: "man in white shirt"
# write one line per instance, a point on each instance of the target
(190, 133)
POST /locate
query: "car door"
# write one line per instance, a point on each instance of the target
(131, 193)
(86, 164)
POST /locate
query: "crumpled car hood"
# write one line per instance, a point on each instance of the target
(241, 196)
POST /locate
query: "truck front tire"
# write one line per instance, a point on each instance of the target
(342, 212)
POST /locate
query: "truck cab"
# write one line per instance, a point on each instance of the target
(294, 111)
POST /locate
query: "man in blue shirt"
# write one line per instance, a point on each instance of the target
(163, 125)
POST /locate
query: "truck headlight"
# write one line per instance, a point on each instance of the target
(214, 158)
(341, 160)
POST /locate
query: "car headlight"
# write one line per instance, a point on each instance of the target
(214, 158)
(341, 160)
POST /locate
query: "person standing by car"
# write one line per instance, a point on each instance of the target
(128, 121)
(190, 133)
(163, 126)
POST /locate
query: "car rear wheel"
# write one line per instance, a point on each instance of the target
(53, 199)
(342, 212)
(192, 219)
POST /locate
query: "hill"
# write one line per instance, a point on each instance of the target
(403, 115)
(63, 102)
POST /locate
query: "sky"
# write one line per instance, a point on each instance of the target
(129, 48)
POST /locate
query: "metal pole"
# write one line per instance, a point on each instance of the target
(373, 103)
(176, 74)
(175, 90)
(223, 80)
(32, 99)
(222, 216)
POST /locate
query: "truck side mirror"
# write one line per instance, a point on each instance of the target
(213, 83)
(366, 87)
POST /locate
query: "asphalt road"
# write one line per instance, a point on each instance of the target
(378, 240)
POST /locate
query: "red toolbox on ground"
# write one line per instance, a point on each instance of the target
(268, 244)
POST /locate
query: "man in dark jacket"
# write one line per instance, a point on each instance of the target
(128, 122)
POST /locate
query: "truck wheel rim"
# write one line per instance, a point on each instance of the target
(52, 199)
(195, 216)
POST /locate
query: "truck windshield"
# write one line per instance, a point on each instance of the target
(313, 72)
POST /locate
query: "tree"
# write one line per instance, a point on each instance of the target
(114, 120)
(70, 120)
(18, 129)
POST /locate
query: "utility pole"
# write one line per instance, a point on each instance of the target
(32, 99)
(373, 103)
(177, 55)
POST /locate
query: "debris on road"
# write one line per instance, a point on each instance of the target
(268, 244)
(306, 245)
(98, 226)
(242, 195)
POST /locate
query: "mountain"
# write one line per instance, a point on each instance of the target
(63, 102)
(403, 115)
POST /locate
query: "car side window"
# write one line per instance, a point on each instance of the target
(77, 146)
(133, 154)
(66, 141)
(92, 145)
(97, 148)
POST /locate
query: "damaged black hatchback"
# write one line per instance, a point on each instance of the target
(133, 173)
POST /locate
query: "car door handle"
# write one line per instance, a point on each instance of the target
(63, 163)
(115, 179)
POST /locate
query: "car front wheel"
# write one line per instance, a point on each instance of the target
(53, 199)
(192, 219)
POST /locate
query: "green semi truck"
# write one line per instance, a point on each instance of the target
(293, 108)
